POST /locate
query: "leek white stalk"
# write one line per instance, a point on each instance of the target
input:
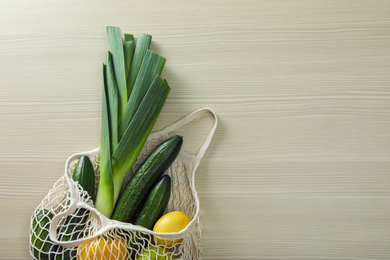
(105, 194)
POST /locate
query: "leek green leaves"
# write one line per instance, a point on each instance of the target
(129, 51)
(152, 66)
(118, 56)
(139, 54)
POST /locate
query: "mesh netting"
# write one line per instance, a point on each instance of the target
(80, 223)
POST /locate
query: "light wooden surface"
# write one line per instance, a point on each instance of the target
(300, 164)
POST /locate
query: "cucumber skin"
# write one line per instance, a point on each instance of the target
(71, 231)
(42, 250)
(84, 174)
(152, 168)
(151, 211)
(155, 204)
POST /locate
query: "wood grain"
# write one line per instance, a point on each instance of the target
(300, 164)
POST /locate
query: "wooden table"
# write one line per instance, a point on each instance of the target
(300, 164)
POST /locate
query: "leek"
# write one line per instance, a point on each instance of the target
(152, 65)
(105, 194)
(142, 46)
(129, 51)
(132, 98)
(112, 93)
(138, 132)
(116, 48)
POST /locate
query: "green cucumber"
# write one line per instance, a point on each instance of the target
(64, 253)
(84, 174)
(73, 229)
(151, 211)
(144, 178)
(155, 204)
(41, 245)
(74, 224)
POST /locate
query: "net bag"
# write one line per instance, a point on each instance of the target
(65, 225)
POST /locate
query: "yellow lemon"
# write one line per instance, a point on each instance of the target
(102, 248)
(171, 222)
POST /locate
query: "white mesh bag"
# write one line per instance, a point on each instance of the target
(66, 225)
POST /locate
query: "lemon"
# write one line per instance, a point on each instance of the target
(101, 248)
(169, 223)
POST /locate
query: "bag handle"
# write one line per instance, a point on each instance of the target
(201, 152)
(187, 119)
(78, 242)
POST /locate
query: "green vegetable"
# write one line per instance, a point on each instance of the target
(142, 46)
(105, 193)
(138, 132)
(63, 253)
(118, 56)
(113, 102)
(129, 51)
(72, 229)
(152, 66)
(84, 174)
(42, 246)
(155, 204)
(152, 168)
(74, 224)
(127, 120)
